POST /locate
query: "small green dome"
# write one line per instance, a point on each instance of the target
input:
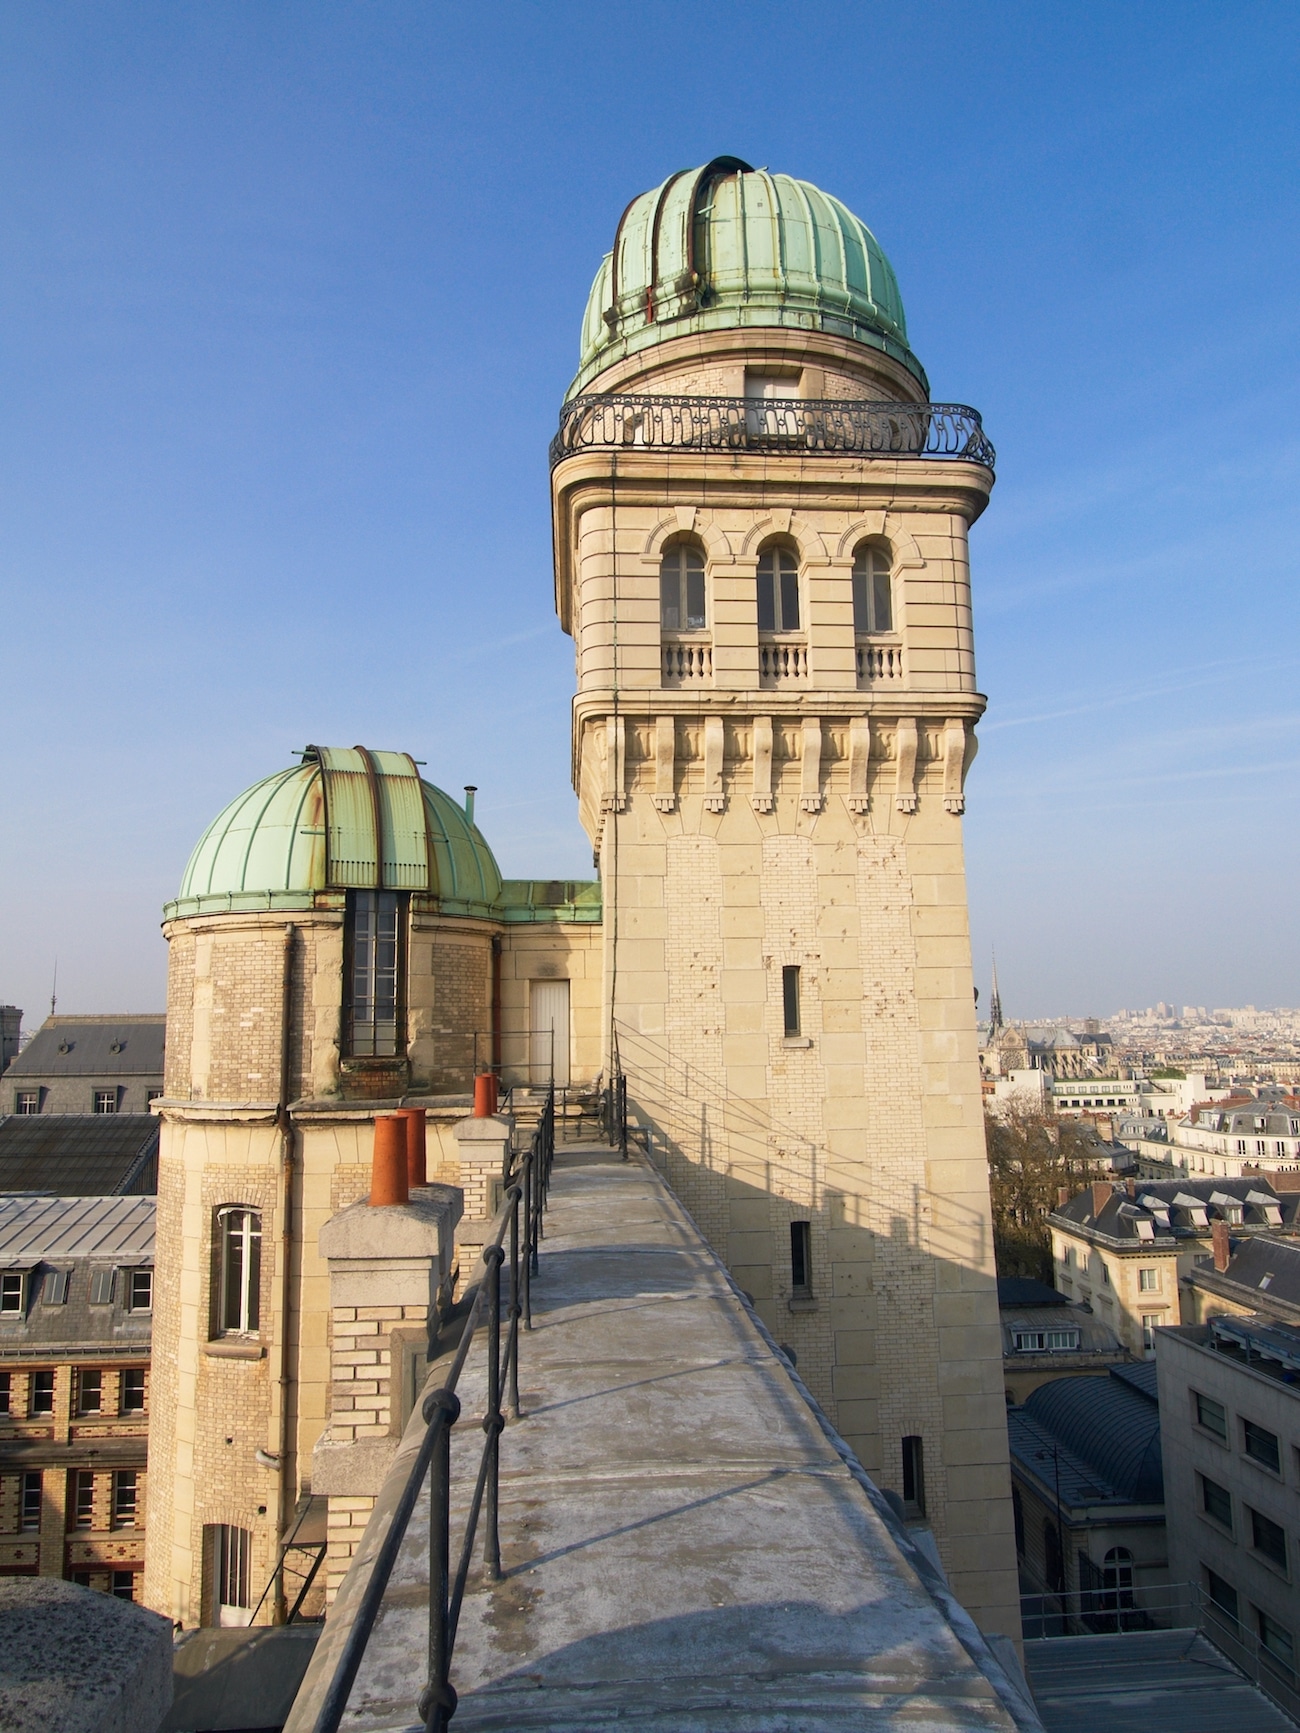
(345, 818)
(727, 245)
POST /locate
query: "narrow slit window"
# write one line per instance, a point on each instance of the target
(681, 589)
(778, 591)
(914, 1476)
(29, 1517)
(790, 998)
(801, 1257)
(126, 1498)
(241, 1271)
(375, 928)
(873, 602)
(84, 1499)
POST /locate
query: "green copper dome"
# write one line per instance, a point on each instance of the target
(726, 246)
(346, 817)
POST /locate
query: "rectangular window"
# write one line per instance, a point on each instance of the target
(1261, 1446)
(778, 591)
(106, 1101)
(1151, 1322)
(374, 935)
(790, 998)
(126, 1486)
(29, 1510)
(913, 1476)
(1105, 1276)
(42, 1393)
(1062, 1341)
(90, 1390)
(6, 1392)
(1268, 1538)
(27, 1101)
(1222, 1593)
(102, 1283)
(83, 1499)
(801, 1257)
(1216, 1501)
(55, 1289)
(141, 1291)
(1149, 1281)
(132, 1390)
(122, 1586)
(13, 1293)
(1274, 1637)
(241, 1270)
(233, 1550)
(1212, 1415)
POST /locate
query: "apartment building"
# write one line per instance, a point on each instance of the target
(76, 1311)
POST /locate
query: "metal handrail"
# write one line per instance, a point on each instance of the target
(799, 426)
(526, 1194)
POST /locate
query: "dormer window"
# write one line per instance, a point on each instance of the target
(681, 588)
(873, 604)
(778, 590)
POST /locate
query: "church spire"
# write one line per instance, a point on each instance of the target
(995, 1001)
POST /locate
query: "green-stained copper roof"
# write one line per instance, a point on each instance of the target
(576, 901)
(726, 245)
(346, 817)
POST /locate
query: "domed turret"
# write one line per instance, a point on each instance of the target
(344, 818)
(730, 246)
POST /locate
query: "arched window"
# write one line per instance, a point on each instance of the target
(873, 601)
(240, 1270)
(681, 588)
(778, 590)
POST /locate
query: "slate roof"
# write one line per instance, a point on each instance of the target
(1264, 1266)
(95, 1047)
(1109, 1425)
(1027, 1291)
(79, 1154)
(112, 1229)
(1156, 1204)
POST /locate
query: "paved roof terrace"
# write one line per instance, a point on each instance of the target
(686, 1544)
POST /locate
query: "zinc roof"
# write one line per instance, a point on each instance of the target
(39, 1229)
(79, 1154)
(93, 1047)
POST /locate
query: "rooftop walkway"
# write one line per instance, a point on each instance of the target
(1145, 1682)
(686, 1544)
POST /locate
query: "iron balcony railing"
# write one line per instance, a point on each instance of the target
(526, 1177)
(829, 427)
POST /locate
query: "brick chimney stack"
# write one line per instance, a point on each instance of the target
(1131, 1187)
(1062, 1196)
(1222, 1245)
(1101, 1195)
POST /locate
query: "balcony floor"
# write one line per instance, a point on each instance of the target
(684, 1547)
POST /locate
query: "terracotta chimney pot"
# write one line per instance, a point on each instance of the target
(388, 1181)
(485, 1095)
(417, 1126)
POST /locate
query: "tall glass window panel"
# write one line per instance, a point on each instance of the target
(241, 1270)
(372, 1015)
(681, 589)
(873, 601)
(778, 591)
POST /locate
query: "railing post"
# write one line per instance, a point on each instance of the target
(528, 1237)
(493, 1256)
(437, 1702)
(512, 1336)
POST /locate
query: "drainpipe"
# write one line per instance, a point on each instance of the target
(496, 1008)
(284, 1119)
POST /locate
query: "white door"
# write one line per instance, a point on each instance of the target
(548, 1019)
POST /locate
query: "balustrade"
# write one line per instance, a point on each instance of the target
(687, 661)
(879, 662)
(782, 662)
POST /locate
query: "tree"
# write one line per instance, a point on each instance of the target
(1032, 1156)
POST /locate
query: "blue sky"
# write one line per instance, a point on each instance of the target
(289, 295)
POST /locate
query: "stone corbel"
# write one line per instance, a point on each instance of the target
(714, 740)
(665, 797)
(810, 769)
(905, 741)
(954, 765)
(761, 799)
(859, 763)
(614, 798)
